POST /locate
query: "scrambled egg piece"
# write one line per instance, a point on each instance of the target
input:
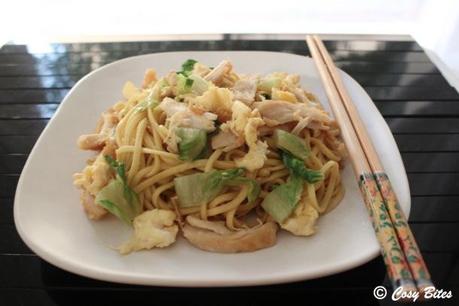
(153, 228)
(303, 221)
(255, 158)
(240, 117)
(216, 100)
(283, 95)
(94, 176)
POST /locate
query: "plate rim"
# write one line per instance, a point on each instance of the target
(105, 274)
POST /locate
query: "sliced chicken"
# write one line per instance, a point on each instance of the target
(97, 140)
(276, 112)
(218, 74)
(94, 211)
(171, 78)
(245, 89)
(178, 114)
(209, 236)
(226, 141)
(300, 95)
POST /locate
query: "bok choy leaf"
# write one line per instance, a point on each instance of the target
(288, 142)
(191, 142)
(117, 197)
(199, 188)
(282, 201)
(297, 168)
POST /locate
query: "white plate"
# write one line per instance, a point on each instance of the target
(51, 221)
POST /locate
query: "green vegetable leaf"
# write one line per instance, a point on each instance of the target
(297, 168)
(217, 179)
(196, 189)
(117, 197)
(282, 201)
(288, 142)
(188, 83)
(187, 67)
(113, 208)
(192, 142)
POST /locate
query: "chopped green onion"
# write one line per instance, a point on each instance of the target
(187, 67)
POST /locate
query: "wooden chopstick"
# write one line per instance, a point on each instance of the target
(371, 185)
(406, 238)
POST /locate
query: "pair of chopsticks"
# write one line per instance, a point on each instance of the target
(404, 262)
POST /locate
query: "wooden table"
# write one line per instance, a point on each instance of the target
(418, 104)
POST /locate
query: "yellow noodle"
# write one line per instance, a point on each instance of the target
(210, 162)
(233, 204)
(157, 201)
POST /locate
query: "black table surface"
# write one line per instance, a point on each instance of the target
(418, 104)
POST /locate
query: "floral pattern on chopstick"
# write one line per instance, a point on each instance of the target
(392, 253)
(406, 239)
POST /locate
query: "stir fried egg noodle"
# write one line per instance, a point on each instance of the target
(224, 158)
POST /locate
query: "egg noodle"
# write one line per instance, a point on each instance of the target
(250, 127)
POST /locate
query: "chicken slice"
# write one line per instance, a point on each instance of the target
(245, 89)
(218, 74)
(178, 114)
(208, 236)
(94, 211)
(153, 228)
(226, 141)
(276, 112)
(97, 140)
